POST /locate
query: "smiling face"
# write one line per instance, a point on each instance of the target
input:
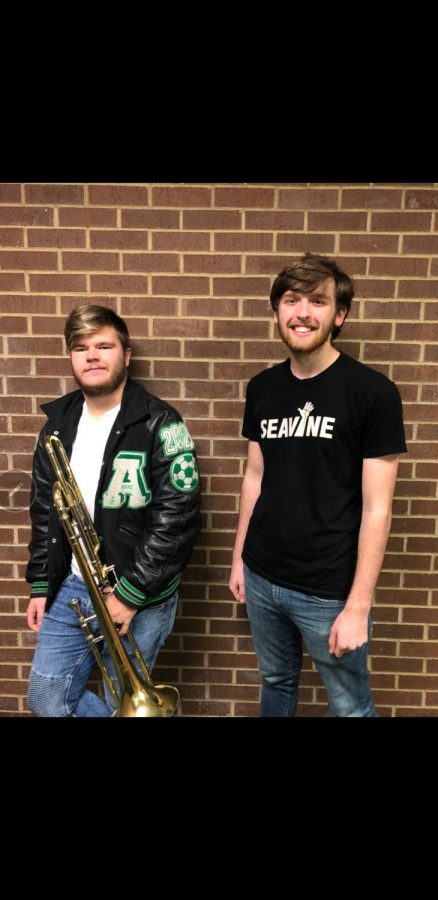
(305, 321)
(99, 363)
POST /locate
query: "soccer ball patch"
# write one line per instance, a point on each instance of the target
(184, 473)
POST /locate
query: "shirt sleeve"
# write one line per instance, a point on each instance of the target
(383, 431)
(249, 427)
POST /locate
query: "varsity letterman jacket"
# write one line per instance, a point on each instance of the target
(147, 500)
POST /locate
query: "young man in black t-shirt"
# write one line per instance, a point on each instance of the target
(325, 433)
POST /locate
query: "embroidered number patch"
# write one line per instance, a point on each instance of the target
(184, 473)
(175, 438)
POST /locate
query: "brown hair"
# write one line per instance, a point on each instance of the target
(306, 274)
(87, 319)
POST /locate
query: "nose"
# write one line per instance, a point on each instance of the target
(92, 354)
(302, 308)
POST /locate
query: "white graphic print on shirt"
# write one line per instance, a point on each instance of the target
(303, 425)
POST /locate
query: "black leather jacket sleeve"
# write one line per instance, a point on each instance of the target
(40, 502)
(173, 524)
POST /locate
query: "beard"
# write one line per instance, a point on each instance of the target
(319, 337)
(103, 390)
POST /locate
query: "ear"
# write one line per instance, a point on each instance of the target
(127, 356)
(341, 315)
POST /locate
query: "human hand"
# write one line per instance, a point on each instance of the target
(35, 612)
(120, 614)
(237, 583)
(349, 632)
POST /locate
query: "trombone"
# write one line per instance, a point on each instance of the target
(137, 696)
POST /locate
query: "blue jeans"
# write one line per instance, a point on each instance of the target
(280, 620)
(63, 660)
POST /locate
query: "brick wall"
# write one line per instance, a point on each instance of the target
(189, 266)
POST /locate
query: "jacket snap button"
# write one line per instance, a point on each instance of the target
(53, 540)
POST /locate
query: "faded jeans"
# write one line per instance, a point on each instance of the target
(280, 620)
(63, 660)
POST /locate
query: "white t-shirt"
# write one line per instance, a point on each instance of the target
(87, 456)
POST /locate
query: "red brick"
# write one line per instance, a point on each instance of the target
(212, 349)
(234, 370)
(148, 306)
(312, 198)
(119, 284)
(392, 309)
(180, 285)
(366, 287)
(401, 221)
(120, 239)
(269, 350)
(118, 195)
(391, 352)
(150, 262)
(10, 193)
(418, 288)
(267, 265)
(14, 324)
(240, 286)
(181, 240)
(426, 332)
(90, 261)
(384, 265)
(35, 346)
(150, 218)
(420, 243)
(181, 196)
(210, 307)
(340, 221)
(87, 217)
(301, 242)
(24, 259)
(25, 215)
(180, 328)
(429, 393)
(241, 330)
(214, 219)
(242, 241)
(54, 193)
(417, 374)
(11, 282)
(431, 311)
(371, 198)
(244, 197)
(57, 283)
(211, 263)
(56, 237)
(11, 237)
(369, 243)
(421, 199)
(274, 221)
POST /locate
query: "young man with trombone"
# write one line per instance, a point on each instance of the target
(115, 514)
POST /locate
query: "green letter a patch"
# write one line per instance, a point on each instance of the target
(128, 482)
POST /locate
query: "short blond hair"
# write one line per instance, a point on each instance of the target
(87, 319)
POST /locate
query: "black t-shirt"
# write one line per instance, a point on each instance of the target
(314, 434)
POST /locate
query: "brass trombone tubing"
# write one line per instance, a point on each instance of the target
(138, 695)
